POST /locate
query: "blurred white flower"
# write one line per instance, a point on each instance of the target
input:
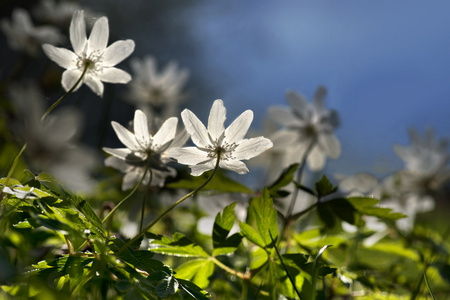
(308, 125)
(53, 143)
(22, 35)
(216, 140)
(158, 90)
(425, 159)
(143, 146)
(57, 12)
(91, 53)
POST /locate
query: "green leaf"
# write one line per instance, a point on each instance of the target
(193, 290)
(251, 234)
(219, 183)
(228, 246)
(265, 216)
(167, 286)
(222, 225)
(198, 271)
(283, 180)
(324, 187)
(179, 245)
(365, 205)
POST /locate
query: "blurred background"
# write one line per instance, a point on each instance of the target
(386, 64)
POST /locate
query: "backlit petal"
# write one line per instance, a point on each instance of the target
(78, 32)
(126, 137)
(114, 75)
(117, 52)
(166, 133)
(238, 129)
(249, 148)
(141, 129)
(63, 57)
(69, 78)
(195, 128)
(188, 155)
(216, 119)
(94, 83)
(330, 145)
(99, 36)
(284, 116)
(234, 165)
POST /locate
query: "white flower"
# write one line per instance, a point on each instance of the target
(425, 156)
(24, 36)
(141, 146)
(91, 53)
(156, 89)
(53, 143)
(308, 124)
(216, 140)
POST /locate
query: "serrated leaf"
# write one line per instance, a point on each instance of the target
(324, 187)
(23, 224)
(228, 246)
(258, 258)
(251, 234)
(219, 183)
(265, 216)
(365, 205)
(284, 179)
(179, 245)
(222, 225)
(198, 271)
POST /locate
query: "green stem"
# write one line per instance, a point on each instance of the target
(221, 265)
(15, 162)
(144, 199)
(299, 178)
(129, 195)
(170, 208)
(65, 95)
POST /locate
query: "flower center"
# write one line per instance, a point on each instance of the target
(219, 146)
(92, 62)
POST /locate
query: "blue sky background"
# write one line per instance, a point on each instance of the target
(386, 64)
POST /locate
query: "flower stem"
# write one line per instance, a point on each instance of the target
(221, 265)
(65, 95)
(129, 195)
(299, 178)
(15, 162)
(144, 199)
(170, 208)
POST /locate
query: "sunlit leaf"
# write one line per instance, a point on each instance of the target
(179, 245)
(324, 187)
(198, 271)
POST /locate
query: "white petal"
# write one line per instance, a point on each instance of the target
(22, 19)
(141, 132)
(126, 137)
(166, 133)
(195, 128)
(238, 129)
(94, 83)
(316, 159)
(198, 170)
(188, 155)
(63, 57)
(122, 153)
(131, 178)
(330, 145)
(69, 78)
(78, 32)
(117, 163)
(284, 117)
(297, 101)
(249, 148)
(99, 36)
(117, 52)
(318, 100)
(114, 75)
(216, 119)
(234, 165)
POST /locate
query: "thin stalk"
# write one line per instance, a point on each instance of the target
(299, 178)
(221, 265)
(144, 199)
(54, 105)
(129, 195)
(15, 162)
(149, 226)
